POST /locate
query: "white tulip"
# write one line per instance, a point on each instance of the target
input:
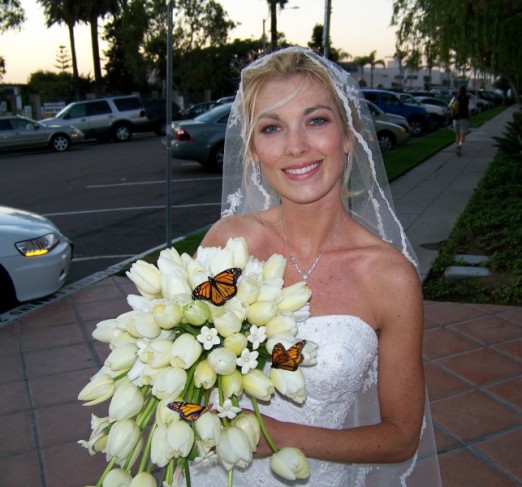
(281, 325)
(122, 339)
(290, 463)
(250, 425)
(196, 313)
(167, 256)
(175, 283)
(185, 351)
(160, 452)
(248, 288)
(295, 297)
(157, 353)
(258, 385)
(208, 426)
(270, 293)
(236, 342)
(167, 314)
(222, 360)
(123, 437)
(180, 438)
(232, 384)
(99, 389)
(165, 415)
(234, 448)
(204, 375)
(274, 267)
(117, 478)
(169, 383)
(239, 249)
(261, 312)
(147, 279)
(143, 479)
(142, 324)
(106, 330)
(226, 322)
(122, 357)
(289, 384)
(126, 402)
(139, 303)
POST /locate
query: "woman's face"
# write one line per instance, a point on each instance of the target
(300, 143)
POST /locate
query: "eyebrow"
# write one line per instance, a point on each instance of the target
(308, 111)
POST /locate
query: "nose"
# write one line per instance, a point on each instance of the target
(296, 142)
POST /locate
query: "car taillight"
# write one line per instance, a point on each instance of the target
(181, 134)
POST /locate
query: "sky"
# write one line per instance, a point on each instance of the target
(357, 27)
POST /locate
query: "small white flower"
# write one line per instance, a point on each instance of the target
(247, 360)
(256, 336)
(208, 337)
(227, 410)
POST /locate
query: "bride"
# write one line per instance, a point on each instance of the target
(303, 177)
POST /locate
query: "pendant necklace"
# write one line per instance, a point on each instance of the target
(306, 275)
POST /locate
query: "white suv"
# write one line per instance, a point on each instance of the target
(115, 117)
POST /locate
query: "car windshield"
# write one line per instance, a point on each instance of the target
(409, 99)
(213, 113)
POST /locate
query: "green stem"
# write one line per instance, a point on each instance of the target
(266, 434)
(230, 477)
(108, 468)
(146, 451)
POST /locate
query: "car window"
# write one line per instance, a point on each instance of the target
(130, 103)
(224, 119)
(373, 110)
(389, 99)
(5, 125)
(372, 97)
(100, 107)
(76, 111)
(21, 124)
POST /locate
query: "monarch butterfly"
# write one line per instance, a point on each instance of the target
(288, 359)
(220, 288)
(188, 411)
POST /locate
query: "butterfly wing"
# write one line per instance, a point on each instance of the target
(220, 288)
(288, 359)
(188, 411)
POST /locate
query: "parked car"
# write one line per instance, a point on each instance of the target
(225, 99)
(23, 133)
(34, 257)
(114, 117)
(156, 111)
(390, 102)
(437, 109)
(379, 114)
(390, 135)
(192, 111)
(202, 139)
(436, 113)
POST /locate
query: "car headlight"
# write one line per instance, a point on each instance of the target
(38, 246)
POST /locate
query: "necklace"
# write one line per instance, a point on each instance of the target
(306, 275)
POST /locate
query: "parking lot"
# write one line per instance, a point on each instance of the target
(110, 198)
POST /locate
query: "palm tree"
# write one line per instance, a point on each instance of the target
(362, 61)
(374, 62)
(273, 4)
(65, 12)
(400, 55)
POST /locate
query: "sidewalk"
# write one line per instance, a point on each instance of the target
(473, 354)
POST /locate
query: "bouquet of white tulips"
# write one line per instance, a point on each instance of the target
(203, 332)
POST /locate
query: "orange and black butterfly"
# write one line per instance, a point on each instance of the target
(288, 359)
(220, 288)
(188, 411)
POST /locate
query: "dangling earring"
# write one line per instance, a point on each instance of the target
(258, 175)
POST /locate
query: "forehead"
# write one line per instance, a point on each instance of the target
(278, 91)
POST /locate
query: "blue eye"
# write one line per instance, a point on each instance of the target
(269, 129)
(317, 121)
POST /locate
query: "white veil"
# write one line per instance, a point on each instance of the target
(367, 199)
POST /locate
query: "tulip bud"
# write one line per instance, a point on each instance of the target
(226, 322)
(281, 325)
(157, 353)
(234, 448)
(160, 452)
(204, 375)
(147, 278)
(185, 351)
(180, 438)
(169, 383)
(122, 357)
(295, 297)
(258, 385)
(99, 389)
(236, 342)
(290, 463)
(239, 249)
(248, 288)
(232, 384)
(289, 383)
(106, 330)
(274, 267)
(142, 324)
(126, 402)
(250, 425)
(174, 284)
(197, 313)
(167, 314)
(143, 479)
(123, 437)
(117, 478)
(222, 360)
(261, 312)
(208, 426)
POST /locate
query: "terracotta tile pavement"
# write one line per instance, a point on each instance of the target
(473, 363)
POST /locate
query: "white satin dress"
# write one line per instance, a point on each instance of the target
(341, 393)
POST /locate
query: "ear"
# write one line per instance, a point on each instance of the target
(347, 143)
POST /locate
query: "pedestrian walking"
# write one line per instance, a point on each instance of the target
(459, 106)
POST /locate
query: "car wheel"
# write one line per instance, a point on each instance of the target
(386, 141)
(417, 127)
(122, 132)
(60, 143)
(216, 156)
(7, 292)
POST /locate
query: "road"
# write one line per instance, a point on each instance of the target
(110, 198)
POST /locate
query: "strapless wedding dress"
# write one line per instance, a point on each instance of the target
(341, 393)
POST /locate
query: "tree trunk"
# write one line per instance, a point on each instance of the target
(273, 25)
(98, 80)
(76, 77)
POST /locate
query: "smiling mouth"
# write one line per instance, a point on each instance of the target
(303, 169)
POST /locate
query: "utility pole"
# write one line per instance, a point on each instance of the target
(326, 28)
(168, 124)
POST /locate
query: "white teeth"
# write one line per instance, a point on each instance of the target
(302, 170)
